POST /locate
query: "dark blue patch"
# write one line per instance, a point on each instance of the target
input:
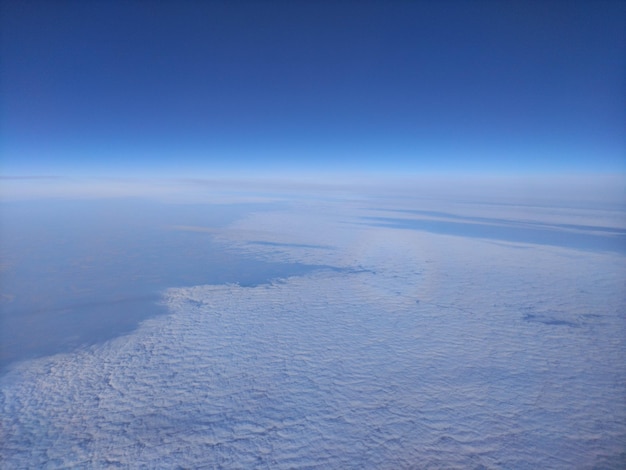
(505, 231)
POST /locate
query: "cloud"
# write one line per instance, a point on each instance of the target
(448, 351)
(30, 177)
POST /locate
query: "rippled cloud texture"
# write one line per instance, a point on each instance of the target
(435, 334)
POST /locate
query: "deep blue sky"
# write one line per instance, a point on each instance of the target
(194, 88)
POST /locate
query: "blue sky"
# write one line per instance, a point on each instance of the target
(197, 88)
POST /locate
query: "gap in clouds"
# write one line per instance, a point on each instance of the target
(75, 272)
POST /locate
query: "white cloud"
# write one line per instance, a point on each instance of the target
(426, 349)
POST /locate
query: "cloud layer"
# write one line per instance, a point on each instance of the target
(426, 350)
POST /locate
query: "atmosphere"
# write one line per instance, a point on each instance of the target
(199, 88)
(313, 234)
